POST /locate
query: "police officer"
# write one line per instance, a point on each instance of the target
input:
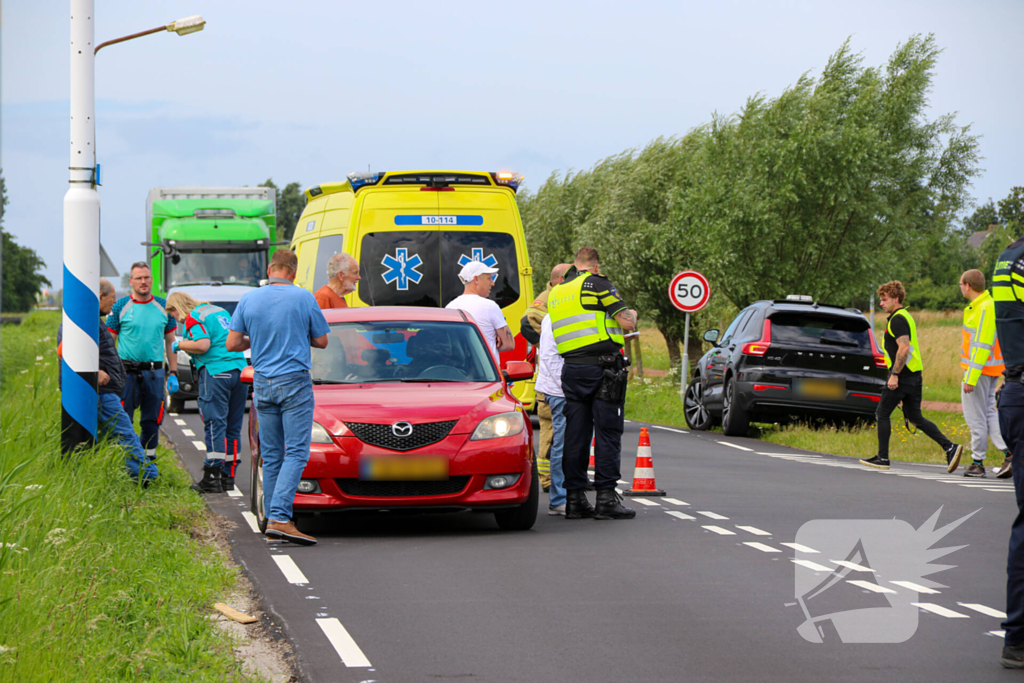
(1008, 292)
(588, 319)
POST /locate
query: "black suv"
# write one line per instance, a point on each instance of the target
(784, 359)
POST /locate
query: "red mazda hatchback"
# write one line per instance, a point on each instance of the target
(412, 413)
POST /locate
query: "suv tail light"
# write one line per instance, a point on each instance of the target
(760, 347)
(879, 358)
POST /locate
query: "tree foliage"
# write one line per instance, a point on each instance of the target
(20, 265)
(290, 203)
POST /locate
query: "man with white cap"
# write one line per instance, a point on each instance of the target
(477, 278)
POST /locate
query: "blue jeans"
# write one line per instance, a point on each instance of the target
(1011, 424)
(285, 413)
(114, 420)
(145, 391)
(556, 494)
(222, 407)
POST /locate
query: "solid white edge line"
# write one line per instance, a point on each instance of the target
(644, 501)
(678, 515)
(669, 429)
(250, 519)
(675, 501)
(998, 490)
(801, 548)
(712, 515)
(873, 587)
(754, 530)
(940, 610)
(235, 493)
(762, 547)
(982, 609)
(719, 530)
(910, 585)
(290, 570)
(343, 643)
(732, 445)
(199, 445)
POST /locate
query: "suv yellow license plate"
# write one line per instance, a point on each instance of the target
(827, 389)
(417, 468)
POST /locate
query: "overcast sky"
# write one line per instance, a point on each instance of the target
(310, 91)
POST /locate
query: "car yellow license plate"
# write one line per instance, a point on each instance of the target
(827, 389)
(409, 468)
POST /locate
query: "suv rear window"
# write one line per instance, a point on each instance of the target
(802, 328)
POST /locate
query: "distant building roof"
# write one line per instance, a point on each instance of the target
(977, 238)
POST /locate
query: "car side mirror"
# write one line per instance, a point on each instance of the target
(246, 377)
(711, 336)
(516, 370)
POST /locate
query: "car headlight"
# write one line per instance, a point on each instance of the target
(320, 434)
(498, 426)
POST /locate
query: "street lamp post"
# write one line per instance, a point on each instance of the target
(80, 348)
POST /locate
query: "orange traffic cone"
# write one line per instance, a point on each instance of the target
(643, 473)
(593, 442)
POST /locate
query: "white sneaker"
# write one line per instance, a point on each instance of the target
(557, 510)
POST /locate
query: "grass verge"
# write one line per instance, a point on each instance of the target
(100, 579)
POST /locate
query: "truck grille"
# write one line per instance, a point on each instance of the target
(402, 489)
(382, 436)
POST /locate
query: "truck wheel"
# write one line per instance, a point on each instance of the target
(735, 421)
(522, 517)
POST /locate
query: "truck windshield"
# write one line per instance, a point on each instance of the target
(199, 267)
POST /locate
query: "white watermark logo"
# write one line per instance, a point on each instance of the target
(857, 580)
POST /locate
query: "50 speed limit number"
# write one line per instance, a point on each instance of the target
(689, 291)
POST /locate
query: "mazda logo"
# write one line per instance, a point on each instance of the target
(402, 429)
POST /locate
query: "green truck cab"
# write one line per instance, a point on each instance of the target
(207, 235)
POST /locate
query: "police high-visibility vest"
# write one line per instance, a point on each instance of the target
(914, 363)
(979, 351)
(573, 326)
(1008, 294)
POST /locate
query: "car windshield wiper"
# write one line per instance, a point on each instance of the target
(334, 381)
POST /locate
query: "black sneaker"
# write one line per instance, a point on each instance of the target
(1005, 471)
(1012, 657)
(977, 469)
(953, 454)
(878, 462)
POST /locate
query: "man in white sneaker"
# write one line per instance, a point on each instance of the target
(477, 278)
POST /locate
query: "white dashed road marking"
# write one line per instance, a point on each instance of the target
(813, 566)
(940, 610)
(915, 587)
(679, 515)
(669, 429)
(762, 547)
(740, 448)
(712, 515)
(188, 432)
(801, 548)
(754, 530)
(235, 493)
(987, 611)
(719, 530)
(343, 643)
(674, 501)
(873, 587)
(200, 446)
(1000, 634)
(180, 423)
(624, 483)
(645, 501)
(251, 521)
(290, 570)
(852, 565)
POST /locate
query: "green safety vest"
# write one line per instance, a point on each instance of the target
(573, 326)
(914, 363)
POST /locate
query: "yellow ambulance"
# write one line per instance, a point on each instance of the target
(412, 231)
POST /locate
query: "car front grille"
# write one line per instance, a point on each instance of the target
(402, 489)
(381, 435)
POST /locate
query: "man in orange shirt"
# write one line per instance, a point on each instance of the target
(342, 276)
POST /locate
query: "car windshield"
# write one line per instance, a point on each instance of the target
(800, 328)
(395, 351)
(233, 267)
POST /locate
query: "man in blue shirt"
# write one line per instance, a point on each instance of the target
(144, 333)
(221, 392)
(280, 322)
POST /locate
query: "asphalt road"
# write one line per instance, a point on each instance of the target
(701, 586)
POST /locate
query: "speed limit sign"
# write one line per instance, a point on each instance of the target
(689, 291)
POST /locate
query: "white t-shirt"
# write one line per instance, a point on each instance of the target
(485, 312)
(549, 363)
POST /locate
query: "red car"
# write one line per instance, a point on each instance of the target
(412, 412)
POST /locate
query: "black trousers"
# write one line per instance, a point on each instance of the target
(1011, 424)
(908, 391)
(586, 416)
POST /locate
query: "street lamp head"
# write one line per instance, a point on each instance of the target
(187, 25)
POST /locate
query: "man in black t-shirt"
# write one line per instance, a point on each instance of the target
(903, 358)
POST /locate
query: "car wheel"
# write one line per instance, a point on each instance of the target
(694, 410)
(735, 420)
(256, 496)
(175, 405)
(522, 517)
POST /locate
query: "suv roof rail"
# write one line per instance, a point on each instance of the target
(812, 304)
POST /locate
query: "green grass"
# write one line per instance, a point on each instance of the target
(100, 579)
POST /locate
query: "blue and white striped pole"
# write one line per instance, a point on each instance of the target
(80, 364)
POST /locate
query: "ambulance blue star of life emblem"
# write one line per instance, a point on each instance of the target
(478, 255)
(401, 268)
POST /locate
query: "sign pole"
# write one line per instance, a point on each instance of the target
(684, 372)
